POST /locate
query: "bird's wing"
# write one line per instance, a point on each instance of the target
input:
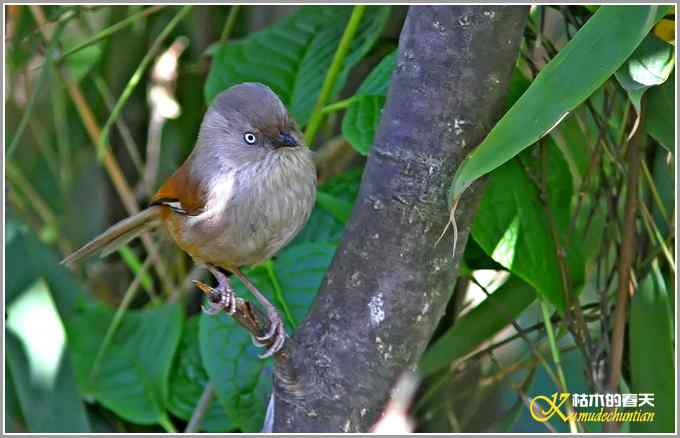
(181, 193)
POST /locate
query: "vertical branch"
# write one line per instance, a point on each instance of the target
(388, 284)
(626, 254)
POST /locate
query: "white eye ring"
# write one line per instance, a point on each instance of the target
(249, 138)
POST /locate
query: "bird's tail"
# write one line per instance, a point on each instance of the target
(118, 235)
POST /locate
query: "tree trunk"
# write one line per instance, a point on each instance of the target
(389, 283)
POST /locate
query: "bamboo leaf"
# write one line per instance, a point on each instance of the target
(513, 228)
(599, 48)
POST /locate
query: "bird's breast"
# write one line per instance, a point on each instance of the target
(252, 212)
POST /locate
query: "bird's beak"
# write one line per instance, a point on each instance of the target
(284, 139)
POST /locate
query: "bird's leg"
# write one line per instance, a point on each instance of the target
(276, 333)
(222, 297)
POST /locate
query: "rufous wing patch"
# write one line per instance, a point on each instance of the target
(181, 193)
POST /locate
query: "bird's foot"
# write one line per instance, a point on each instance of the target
(275, 336)
(219, 299)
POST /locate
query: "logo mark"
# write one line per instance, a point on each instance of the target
(548, 406)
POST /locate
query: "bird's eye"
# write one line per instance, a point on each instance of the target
(249, 138)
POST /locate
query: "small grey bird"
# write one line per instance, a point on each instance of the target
(246, 190)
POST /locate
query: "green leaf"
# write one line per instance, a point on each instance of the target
(55, 409)
(598, 49)
(575, 144)
(512, 227)
(338, 208)
(14, 419)
(518, 85)
(363, 116)
(361, 122)
(132, 379)
(478, 326)
(378, 80)
(663, 172)
(242, 380)
(324, 225)
(20, 260)
(299, 271)
(188, 379)
(650, 65)
(292, 56)
(661, 113)
(652, 351)
(30, 259)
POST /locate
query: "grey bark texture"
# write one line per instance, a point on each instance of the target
(389, 283)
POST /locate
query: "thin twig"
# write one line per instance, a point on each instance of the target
(655, 193)
(578, 326)
(626, 256)
(655, 234)
(37, 204)
(229, 25)
(137, 77)
(556, 359)
(201, 410)
(129, 295)
(532, 346)
(125, 134)
(164, 106)
(110, 163)
(105, 33)
(42, 80)
(333, 72)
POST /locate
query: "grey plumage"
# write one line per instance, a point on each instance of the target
(231, 203)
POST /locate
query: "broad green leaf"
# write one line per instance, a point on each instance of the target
(475, 258)
(292, 56)
(361, 120)
(652, 351)
(512, 227)
(19, 261)
(378, 80)
(599, 48)
(54, 405)
(299, 271)
(661, 113)
(188, 379)
(650, 65)
(30, 259)
(54, 409)
(477, 326)
(132, 378)
(242, 380)
(338, 208)
(324, 226)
